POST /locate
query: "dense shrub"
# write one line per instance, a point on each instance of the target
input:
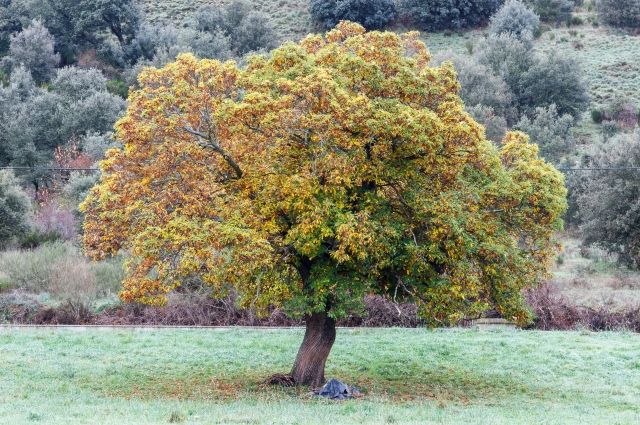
(60, 270)
(623, 111)
(11, 13)
(96, 144)
(609, 201)
(118, 87)
(551, 131)
(554, 79)
(619, 13)
(156, 45)
(33, 48)
(552, 11)
(238, 24)
(109, 275)
(323, 12)
(516, 19)
(372, 14)
(253, 33)
(608, 129)
(535, 80)
(506, 55)
(15, 207)
(34, 238)
(235, 12)
(211, 18)
(18, 307)
(479, 86)
(437, 15)
(577, 21)
(74, 281)
(495, 125)
(154, 40)
(508, 58)
(597, 116)
(78, 186)
(35, 121)
(220, 32)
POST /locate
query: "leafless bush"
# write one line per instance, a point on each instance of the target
(623, 282)
(382, 312)
(554, 312)
(53, 218)
(191, 309)
(67, 313)
(18, 307)
(199, 309)
(75, 283)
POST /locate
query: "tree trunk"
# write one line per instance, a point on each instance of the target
(312, 355)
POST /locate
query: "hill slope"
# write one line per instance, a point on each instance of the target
(290, 17)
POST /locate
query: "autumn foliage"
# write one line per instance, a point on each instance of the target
(336, 167)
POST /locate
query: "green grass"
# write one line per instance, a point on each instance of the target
(410, 376)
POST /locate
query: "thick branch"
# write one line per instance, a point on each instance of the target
(208, 142)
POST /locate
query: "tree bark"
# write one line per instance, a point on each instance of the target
(319, 337)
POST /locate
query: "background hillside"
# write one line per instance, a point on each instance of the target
(290, 18)
(610, 58)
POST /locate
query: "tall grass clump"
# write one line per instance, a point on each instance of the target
(60, 270)
(31, 270)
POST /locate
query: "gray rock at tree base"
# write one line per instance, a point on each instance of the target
(336, 390)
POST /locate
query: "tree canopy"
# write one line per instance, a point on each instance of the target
(15, 207)
(335, 167)
(372, 14)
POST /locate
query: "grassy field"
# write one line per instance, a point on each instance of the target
(409, 376)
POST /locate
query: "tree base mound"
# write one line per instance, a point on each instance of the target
(281, 379)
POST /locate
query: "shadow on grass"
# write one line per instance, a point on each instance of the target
(444, 386)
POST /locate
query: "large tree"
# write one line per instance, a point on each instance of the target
(609, 199)
(77, 24)
(33, 48)
(336, 167)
